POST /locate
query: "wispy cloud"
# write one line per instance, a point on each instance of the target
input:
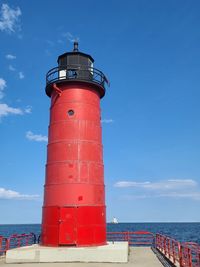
(70, 37)
(191, 195)
(10, 18)
(21, 75)
(176, 195)
(5, 110)
(28, 110)
(11, 68)
(107, 121)
(36, 137)
(10, 57)
(161, 185)
(2, 87)
(172, 188)
(52, 44)
(10, 194)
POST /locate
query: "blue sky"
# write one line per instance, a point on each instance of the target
(150, 51)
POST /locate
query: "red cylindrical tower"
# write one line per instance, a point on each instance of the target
(74, 197)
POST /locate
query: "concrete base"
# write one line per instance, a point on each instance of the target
(112, 252)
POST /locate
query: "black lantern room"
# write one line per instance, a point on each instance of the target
(75, 66)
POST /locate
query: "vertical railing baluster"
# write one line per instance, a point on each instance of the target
(180, 255)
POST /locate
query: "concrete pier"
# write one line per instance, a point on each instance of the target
(111, 252)
(138, 257)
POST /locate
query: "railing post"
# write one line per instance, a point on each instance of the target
(164, 245)
(189, 257)
(161, 243)
(18, 241)
(1, 242)
(156, 241)
(168, 248)
(173, 251)
(180, 249)
(27, 240)
(7, 244)
(128, 237)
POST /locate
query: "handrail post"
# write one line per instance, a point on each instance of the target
(1, 242)
(27, 240)
(156, 241)
(165, 246)
(180, 248)
(128, 237)
(162, 243)
(189, 257)
(7, 244)
(173, 251)
(159, 241)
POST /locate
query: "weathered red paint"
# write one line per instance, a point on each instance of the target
(74, 201)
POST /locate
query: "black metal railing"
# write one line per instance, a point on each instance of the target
(76, 72)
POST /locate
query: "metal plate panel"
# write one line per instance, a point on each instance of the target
(67, 227)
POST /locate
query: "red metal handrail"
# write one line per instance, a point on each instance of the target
(180, 254)
(168, 246)
(15, 241)
(185, 254)
(142, 238)
(190, 254)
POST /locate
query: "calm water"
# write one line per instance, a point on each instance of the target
(179, 231)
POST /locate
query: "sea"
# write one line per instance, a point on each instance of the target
(183, 232)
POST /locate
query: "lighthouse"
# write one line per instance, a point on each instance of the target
(74, 212)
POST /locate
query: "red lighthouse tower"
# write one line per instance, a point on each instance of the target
(74, 198)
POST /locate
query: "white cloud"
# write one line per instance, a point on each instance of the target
(2, 84)
(172, 188)
(194, 195)
(107, 121)
(131, 184)
(2, 87)
(11, 68)
(36, 137)
(28, 110)
(9, 18)
(10, 194)
(191, 195)
(161, 185)
(70, 37)
(21, 75)
(1, 94)
(9, 56)
(131, 197)
(5, 110)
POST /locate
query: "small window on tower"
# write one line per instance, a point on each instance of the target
(70, 112)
